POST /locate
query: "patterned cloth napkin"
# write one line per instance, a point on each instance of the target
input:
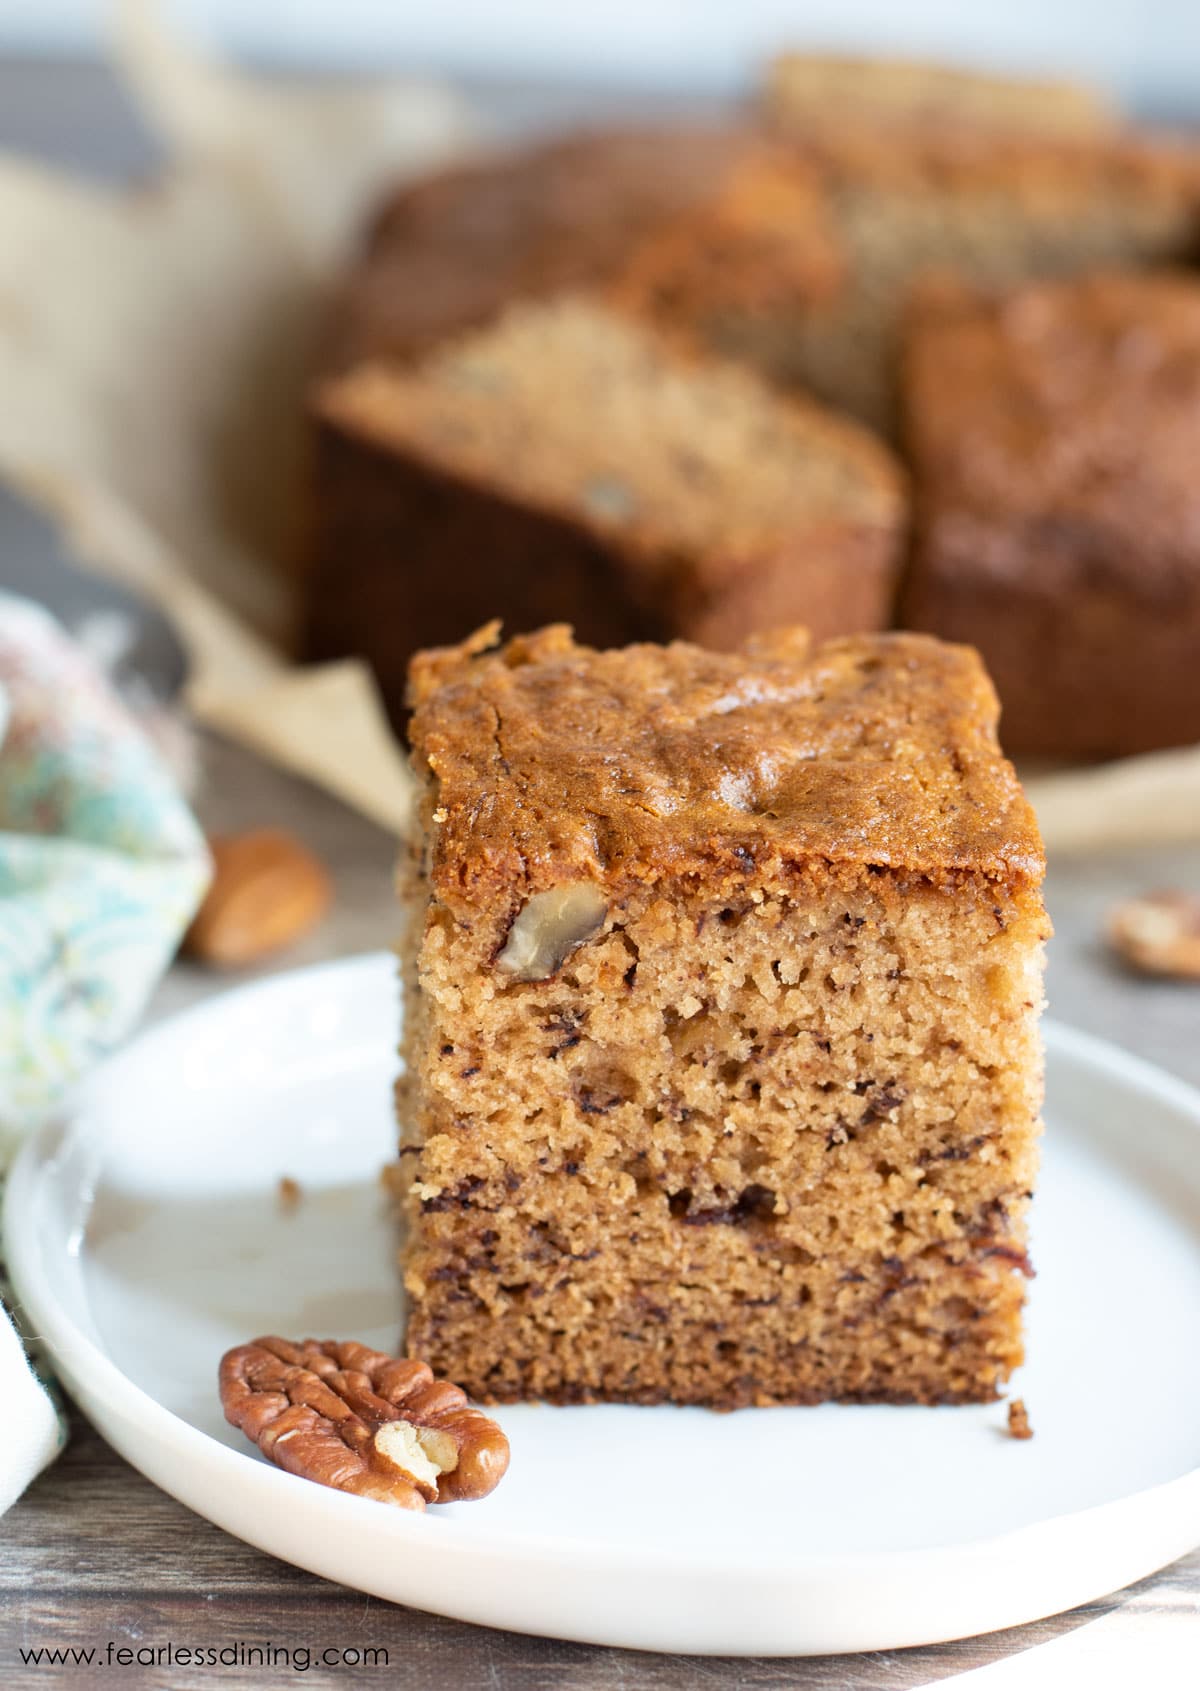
(101, 868)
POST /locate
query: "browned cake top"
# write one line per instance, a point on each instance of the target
(447, 253)
(1074, 400)
(556, 762)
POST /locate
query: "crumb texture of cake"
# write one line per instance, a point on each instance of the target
(996, 209)
(1055, 436)
(754, 1116)
(568, 462)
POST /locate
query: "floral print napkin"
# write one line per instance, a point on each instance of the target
(101, 868)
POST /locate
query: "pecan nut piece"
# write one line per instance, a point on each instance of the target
(267, 890)
(1159, 934)
(359, 1421)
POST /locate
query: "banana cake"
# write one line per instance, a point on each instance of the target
(568, 463)
(714, 233)
(723, 974)
(729, 223)
(1055, 436)
(994, 208)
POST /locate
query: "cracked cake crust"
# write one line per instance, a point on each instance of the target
(556, 762)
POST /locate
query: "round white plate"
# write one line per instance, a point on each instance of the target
(147, 1237)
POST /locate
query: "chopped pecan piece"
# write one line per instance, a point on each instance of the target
(359, 1421)
(1159, 933)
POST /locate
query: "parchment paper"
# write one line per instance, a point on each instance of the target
(154, 347)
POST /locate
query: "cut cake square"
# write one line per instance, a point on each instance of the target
(1055, 435)
(723, 976)
(569, 463)
(733, 226)
(995, 209)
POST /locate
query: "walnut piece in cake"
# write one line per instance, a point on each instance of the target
(760, 1125)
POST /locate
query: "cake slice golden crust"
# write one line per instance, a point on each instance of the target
(557, 763)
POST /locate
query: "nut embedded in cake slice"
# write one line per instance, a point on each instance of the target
(723, 1069)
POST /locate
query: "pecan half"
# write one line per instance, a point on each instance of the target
(1159, 933)
(267, 890)
(359, 1421)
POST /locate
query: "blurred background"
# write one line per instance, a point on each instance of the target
(1144, 50)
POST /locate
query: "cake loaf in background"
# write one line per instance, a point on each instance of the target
(1055, 436)
(994, 209)
(720, 231)
(790, 242)
(568, 462)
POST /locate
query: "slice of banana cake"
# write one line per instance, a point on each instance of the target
(723, 977)
(568, 463)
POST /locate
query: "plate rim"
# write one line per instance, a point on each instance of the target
(76, 1353)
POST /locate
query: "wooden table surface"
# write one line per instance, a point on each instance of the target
(93, 1553)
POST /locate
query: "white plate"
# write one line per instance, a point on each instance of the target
(146, 1238)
